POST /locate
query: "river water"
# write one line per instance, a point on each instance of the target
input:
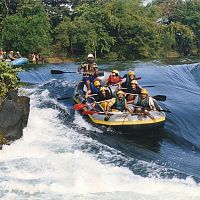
(63, 156)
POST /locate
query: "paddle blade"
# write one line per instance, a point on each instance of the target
(79, 106)
(144, 86)
(160, 97)
(56, 71)
(168, 111)
(137, 78)
(63, 98)
(53, 71)
(89, 112)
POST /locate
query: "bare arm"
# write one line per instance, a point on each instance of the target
(151, 103)
(127, 108)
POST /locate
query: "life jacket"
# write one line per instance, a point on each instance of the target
(119, 105)
(101, 97)
(112, 80)
(127, 84)
(88, 68)
(136, 91)
(144, 103)
(94, 89)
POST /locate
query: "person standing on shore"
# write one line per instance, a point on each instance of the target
(33, 58)
(1, 55)
(18, 55)
(37, 57)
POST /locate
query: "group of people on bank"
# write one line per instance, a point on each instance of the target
(9, 55)
(128, 90)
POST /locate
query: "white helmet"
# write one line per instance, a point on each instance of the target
(90, 56)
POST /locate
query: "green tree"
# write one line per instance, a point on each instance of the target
(134, 29)
(99, 39)
(28, 30)
(189, 14)
(75, 36)
(177, 36)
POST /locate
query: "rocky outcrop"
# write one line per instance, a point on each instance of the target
(14, 112)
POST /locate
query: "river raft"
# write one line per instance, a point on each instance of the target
(120, 120)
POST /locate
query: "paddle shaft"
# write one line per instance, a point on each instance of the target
(160, 110)
(156, 97)
(69, 97)
(81, 106)
(71, 72)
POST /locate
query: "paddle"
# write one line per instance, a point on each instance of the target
(61, 72)
(160, 110)
(156, 97)
(69, 97)
(53, 71)
(91, 112)
(144, 86)
(81, 106)
(63, 98)
(160, 97)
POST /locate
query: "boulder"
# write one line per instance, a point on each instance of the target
(14, 112)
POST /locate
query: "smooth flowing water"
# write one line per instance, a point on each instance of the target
(63, 156)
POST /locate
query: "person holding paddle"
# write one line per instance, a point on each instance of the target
(119, 103)
(103, 95)
(127, 78)
(114, 78)
(144, 103)
(131, 91)
(91, 71)
(94, 87)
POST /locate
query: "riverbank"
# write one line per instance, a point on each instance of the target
(167, 60)
(59, 59)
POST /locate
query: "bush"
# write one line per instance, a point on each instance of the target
(8, 78)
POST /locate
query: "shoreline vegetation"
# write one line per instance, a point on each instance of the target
(110, 29)
(171, 59)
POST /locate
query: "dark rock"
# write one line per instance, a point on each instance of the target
(14, 112)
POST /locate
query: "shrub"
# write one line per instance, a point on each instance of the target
(8, 78)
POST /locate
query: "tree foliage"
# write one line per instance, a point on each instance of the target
(8, 78)
(28, 30)
(124, 28)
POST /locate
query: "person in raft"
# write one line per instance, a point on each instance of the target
(127, 78)
(132, 91)
(114, 78)
(144, 103)
(89, 70)
(119, 103)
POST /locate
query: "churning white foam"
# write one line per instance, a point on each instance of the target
(84, 124)
(44, 164)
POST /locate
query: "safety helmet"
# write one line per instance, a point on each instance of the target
(115, 71)
(90, 56)
(144, 91)
(120, 92)
(102, 88)
(131, 73)
(97, 83)
(134, 82)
